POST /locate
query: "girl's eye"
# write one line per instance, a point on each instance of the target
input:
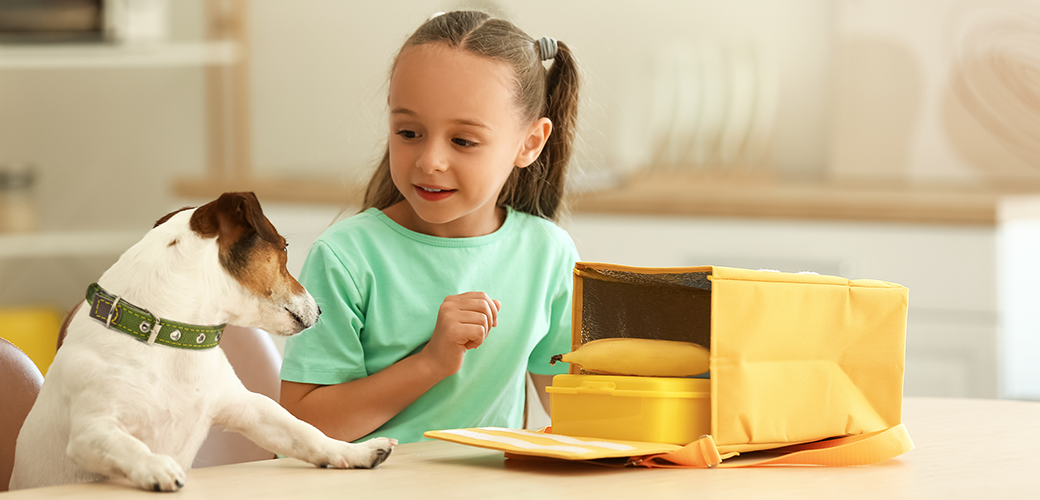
(407, 134)
(463, 142)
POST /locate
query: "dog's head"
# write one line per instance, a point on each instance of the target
(252, 252)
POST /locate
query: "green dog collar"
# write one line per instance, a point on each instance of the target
(144, 326)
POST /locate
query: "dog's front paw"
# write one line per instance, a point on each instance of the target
(364, 455)
(380, 449)
(158, 473)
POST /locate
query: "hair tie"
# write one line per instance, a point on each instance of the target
(547, 46)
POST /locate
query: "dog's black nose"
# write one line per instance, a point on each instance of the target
(319, 310)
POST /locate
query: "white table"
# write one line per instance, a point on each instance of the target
(965, 449)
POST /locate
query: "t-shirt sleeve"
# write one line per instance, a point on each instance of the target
(329, 352)
(558, 338)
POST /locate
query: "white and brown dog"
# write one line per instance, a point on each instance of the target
(138, 380)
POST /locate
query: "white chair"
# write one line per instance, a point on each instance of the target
(257, 363)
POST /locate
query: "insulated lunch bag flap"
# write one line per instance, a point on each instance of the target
(802, 357)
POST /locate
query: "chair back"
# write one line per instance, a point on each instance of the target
(20, 382)
(257, 363)
(65, 324)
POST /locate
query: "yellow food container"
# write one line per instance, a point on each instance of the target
(34, 330)
(651, 409)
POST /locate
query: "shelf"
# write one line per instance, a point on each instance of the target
(106, 55)
(327, 191)
(705, 197)
(891, 202)
(66, 244)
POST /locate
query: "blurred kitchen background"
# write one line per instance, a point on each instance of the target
(884, 139)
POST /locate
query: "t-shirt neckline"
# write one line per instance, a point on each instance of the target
(448, 242)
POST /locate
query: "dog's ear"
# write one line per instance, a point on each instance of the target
(167, 216)
(233, 215)
(253, 215)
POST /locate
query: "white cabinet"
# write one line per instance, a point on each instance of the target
(169, 54)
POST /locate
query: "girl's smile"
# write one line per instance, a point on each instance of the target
(430, 193)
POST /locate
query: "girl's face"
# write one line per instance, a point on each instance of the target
(455, 136)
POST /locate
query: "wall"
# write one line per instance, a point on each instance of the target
(110, 138)
(937, 90)
(335, 65)
(106, 141)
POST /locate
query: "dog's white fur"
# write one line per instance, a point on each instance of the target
(112, 405)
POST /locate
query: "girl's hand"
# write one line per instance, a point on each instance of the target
(463, 322)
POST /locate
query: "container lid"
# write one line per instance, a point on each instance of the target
(629, 386)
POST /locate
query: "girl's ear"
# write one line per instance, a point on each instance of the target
(532, 146)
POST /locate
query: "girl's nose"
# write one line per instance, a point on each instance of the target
(433, 158)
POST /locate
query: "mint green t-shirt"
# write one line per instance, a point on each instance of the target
(380, 286)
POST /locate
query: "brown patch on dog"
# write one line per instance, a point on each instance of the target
(172, 243)
(167, 216)
(250, 248)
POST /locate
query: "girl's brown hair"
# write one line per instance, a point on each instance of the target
(553, 93)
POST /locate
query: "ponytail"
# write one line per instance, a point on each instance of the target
(539, 188)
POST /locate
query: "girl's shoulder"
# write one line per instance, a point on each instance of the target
(361, 221)
(546, 233)
(533, 223)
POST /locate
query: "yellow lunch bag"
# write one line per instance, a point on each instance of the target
(806, 366)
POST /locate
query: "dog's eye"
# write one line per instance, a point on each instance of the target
(285, 248)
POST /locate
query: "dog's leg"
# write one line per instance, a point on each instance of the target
(272, 427)
(101, 446)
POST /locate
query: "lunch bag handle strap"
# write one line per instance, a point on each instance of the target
(863, 449)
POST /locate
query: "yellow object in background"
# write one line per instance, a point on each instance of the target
(34, 330)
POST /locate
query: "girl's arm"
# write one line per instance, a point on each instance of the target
(354, 409)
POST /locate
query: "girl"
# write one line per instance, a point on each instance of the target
(453, 282)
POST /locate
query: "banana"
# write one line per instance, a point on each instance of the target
(644, 357)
